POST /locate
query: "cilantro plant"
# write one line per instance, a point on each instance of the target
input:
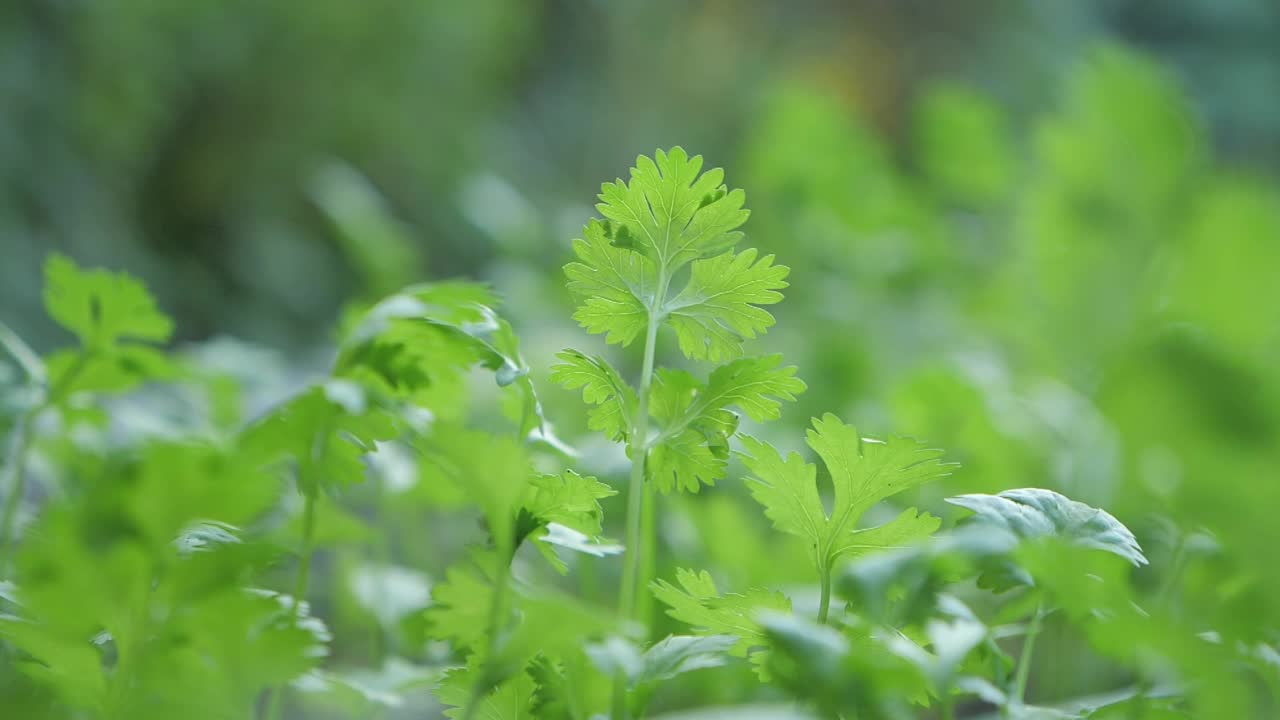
(664, 255)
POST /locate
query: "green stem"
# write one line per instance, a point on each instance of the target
(303, 578)
(497, 610)
(275, 709)
(1024, 658)
(15, 481)
(824, 603)
(634, 542)
(635, 487)
(15, 475)
(22, 354)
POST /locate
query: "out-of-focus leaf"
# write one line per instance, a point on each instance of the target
(699, 604)
(1035, 512)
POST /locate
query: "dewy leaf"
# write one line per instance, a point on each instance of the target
(718, 308)
(698, 603)
(673, 214)
(101, 307)
(601, 385)
(614, 286)
(863, 472)
(1035, 512)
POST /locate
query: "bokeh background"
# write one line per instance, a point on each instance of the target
(1042, 235)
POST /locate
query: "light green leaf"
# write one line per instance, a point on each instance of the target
(718, 308)
(326, 431)
(685, 461)
(460, 607)
(909, 527)
(511, 700)
(601, 385)
(692, 447)
(569, 499)
(698, 603)
(1035, 512)
(672, 213)
(101, 307)
(493, 471)
(863, 472)
(614, 286)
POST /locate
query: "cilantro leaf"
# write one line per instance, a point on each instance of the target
(566, 508)
(1035, 512)
(326, 431)
(101, 307)
(568, 498)
(492, 471)
(693, 446)
(697, 602)
(718, 308)
(601, 385)
(460, 606)
(863, 472)
(614, 285)
(511, 700)
(672, 212)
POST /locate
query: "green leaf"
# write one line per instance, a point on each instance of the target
(863, 472)
(460, 606)
(511, 700)
(718, 308)
(101, 307)
(1035, 512)
(569, 499)
(601, 385)
(614, 286)
(672, 212)
(327, 431)
(493, 472)
(698, 603)
(692, 447)
(667, 658)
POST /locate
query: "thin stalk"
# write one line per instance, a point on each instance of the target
(635, 487)
(15, 481)
(275, 709)
(304, 558)
(497, 609)
(22, 354)
(824, 602)
(15, 475)
(634, 543)
(1024, 659)
(648, 552)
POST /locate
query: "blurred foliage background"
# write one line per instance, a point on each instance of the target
(1042, 235)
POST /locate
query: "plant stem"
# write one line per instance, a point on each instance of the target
(497, 608)
(1024, 658)
(304, 558)
(15, 482)
(824, 602)
(635, 487)
(276, 708)
(634, 543)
